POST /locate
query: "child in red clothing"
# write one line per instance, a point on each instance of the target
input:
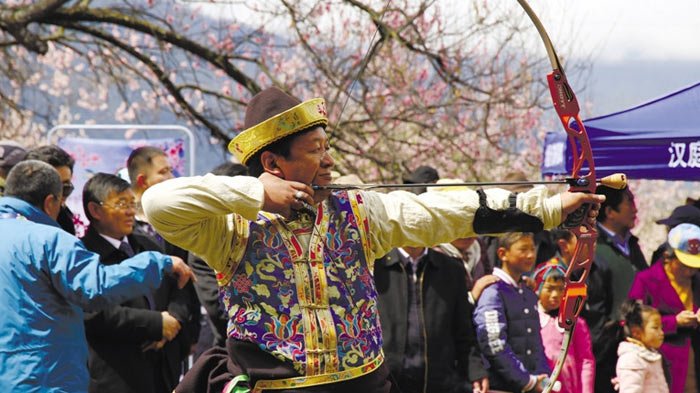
(578, 373)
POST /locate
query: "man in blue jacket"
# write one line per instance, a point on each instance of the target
(48, 279)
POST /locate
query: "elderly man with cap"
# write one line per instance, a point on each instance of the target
(294, 262)
(10, 154)
(673, 287)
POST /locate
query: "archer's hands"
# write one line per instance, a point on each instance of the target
(182, 271)
(571, 201)
(282, 196)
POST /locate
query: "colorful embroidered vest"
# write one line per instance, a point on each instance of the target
(319, 310)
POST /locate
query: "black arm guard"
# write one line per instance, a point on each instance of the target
(487, 220)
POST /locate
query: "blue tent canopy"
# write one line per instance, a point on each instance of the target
(656, 140)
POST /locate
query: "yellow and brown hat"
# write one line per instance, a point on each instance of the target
(685, 241)
(272, 115)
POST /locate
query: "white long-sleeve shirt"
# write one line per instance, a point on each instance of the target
(207, 215)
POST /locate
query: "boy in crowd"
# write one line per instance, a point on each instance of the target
(507, 322)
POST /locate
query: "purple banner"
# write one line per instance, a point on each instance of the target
(656, 140)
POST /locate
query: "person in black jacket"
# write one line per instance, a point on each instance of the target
(63, 163)
(133, 347)
(147, 166)
(618, 258)
(426, 321)
(206, 285)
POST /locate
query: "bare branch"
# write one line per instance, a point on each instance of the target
(14, 20)
(79, 15)
(160, 74)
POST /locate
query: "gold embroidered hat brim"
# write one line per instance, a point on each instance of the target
(308, 114)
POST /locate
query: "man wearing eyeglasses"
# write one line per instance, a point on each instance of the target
(49, 281)
(63, 163)
(130, 344)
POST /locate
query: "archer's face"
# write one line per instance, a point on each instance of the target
(309, 160)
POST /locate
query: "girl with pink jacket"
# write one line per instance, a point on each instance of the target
(640, 364)
(672, 286)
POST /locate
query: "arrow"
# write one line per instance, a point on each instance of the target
(617, 181)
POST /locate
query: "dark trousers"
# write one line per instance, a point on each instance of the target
(217, 366)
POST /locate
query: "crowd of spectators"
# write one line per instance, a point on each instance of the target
(477, 314)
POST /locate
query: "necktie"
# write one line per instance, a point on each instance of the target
(126, 249)
(414, 345)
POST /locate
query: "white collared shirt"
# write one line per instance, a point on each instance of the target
(408, 257)
(545, 318)
(500, 273)
(116, 243)
(413, 262)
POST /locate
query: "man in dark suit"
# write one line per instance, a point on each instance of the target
(206, 285)
(134, 346)
(148, 166)
(618, 258)
(426, 321)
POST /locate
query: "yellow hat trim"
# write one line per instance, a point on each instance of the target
(301, 117)
(690, 260)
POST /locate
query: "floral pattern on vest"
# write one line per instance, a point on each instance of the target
(317, 309)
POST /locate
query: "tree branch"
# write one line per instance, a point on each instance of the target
(76, 15)
(159, 73)
(14, 20)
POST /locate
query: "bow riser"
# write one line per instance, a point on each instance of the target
(567, 107)
(576, 290)
(563, 97)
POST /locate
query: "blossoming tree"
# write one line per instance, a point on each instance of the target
(407, 82)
